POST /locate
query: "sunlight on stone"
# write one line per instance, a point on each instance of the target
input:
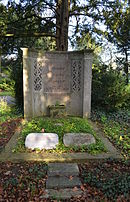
(49, 75)
(41, 140)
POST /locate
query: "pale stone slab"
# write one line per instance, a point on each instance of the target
(63, 169)
(78, 139)
(41, 140)
(62, 193)
(63, 182)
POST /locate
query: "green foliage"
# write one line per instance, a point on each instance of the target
(116, 128)
(117, 22)
(120, 116)
(112, 185)
(21, 177)
(109, 90)
(4, 108)
(67, 125)
(7, 112)
(6, 93)
(6, 84)
(31, 17)
(119, 134)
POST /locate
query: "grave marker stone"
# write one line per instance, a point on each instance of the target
(41, 141)
(60, 76)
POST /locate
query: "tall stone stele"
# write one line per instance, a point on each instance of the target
(57, 77)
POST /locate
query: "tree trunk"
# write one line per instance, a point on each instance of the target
(126, 67)
(0, 61)
(62, 23)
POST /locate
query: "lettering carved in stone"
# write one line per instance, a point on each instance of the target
(37, 76)
(76, 75)
(57, 78)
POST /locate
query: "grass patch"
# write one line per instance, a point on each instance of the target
(67, 125)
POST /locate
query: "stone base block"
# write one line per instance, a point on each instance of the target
(63, 169)
(62, 193)
(62, 182)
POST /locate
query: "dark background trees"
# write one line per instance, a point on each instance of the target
(49, 24)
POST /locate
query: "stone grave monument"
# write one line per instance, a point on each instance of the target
(60, 76)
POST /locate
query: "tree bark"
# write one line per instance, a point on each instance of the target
(126, 67)
(62, 24)
(0, 61)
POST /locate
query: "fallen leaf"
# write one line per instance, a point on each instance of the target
(82, 187)
(75, 189)
(8, 172)
(70, 177)
(1, 189)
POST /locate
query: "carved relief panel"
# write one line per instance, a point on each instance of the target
(37, 76)
(76, 75)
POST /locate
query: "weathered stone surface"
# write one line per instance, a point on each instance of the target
(62, 193)
(62, 182)
(63, 169)
(57, 76)
(41, 140)
(78, 139)
(57, 111)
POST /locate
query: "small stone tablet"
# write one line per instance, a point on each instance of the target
(41, 141)
(78, 139)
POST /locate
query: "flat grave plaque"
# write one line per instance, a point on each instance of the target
(41, 141)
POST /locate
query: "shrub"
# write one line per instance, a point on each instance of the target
(109, 90)
(4, 108)
(7, 84)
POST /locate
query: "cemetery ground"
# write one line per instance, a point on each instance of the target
(102, 180)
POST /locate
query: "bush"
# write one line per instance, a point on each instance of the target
(4, 108)
(109, 90)
(6, 84)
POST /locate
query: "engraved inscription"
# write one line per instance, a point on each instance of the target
(56, 78)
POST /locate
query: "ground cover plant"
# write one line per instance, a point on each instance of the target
(22, 182)
(65, 125)
(106, 181)
(116, 127)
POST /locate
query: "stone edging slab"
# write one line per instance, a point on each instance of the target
(8, 155)
(73, 157)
